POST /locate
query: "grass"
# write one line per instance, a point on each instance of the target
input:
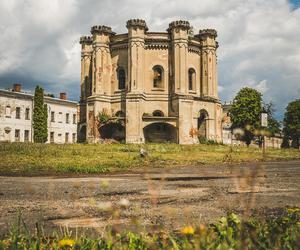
(279, 232)
(21, 158)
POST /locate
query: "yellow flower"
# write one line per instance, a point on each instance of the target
(188, 230)
(66, 243)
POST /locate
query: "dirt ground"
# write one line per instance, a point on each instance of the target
(169, 197)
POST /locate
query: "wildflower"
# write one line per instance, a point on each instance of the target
(188, 230)
(66, 243)
(202, 228)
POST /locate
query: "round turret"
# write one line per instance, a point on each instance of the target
(137, 23)
(208, 32)
(179, 24)
(86, 40)
(102, 29)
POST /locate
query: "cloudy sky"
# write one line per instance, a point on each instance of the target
(259, 40)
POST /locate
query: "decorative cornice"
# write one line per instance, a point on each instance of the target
(179, 24)
(137, 23)
(102, 29)
(194, 49)
(157, 45)
(86, 40)
(119, 47)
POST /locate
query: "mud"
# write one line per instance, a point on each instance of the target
(168, 197)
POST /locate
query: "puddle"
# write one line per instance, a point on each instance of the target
(259, 190)
(189, 178)
(176, 192)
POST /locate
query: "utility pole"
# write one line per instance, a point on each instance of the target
(264, 124)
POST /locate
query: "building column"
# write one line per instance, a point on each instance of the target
(101, 78)
(136, 68)
(209, 62)
(179, 31)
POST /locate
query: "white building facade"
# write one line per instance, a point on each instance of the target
(16, 117)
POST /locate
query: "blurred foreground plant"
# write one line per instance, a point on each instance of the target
(281, 232)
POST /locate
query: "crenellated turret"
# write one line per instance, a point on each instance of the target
(178, 31)
(209, 62)
(86, 59)
(136, 53)
(137, 29)
(101, 59)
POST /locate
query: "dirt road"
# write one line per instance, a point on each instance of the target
(169, 197)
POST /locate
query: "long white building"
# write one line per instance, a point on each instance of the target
(16, 124)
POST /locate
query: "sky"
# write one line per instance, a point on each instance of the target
(259, 41)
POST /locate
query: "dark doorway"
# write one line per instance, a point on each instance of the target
(160, 132)
(202, 124)
(114, 131)
(82, 134)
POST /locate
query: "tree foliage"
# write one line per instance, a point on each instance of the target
(40, 116)
(291, 122)
(245, 112)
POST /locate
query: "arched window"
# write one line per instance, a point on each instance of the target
(120, 114)
(158, 77)
(121, 78)
(192, 79)
(157, 113)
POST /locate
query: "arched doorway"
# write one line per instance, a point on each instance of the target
(82, 134)
(114, 131)
(160, 132)
(203, 124)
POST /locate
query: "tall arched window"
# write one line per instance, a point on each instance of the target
(121, 78)
(158, 77)
(192, 79)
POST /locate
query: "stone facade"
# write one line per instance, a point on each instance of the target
(155, 86)
(16, 110)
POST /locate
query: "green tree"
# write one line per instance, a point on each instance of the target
(245, 112)
(291, 122)
(40, 116)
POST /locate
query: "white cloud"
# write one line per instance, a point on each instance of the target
(259, 39)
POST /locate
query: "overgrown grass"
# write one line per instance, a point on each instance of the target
(280, 232)
(20, 158)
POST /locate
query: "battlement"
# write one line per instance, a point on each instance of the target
(137, 23)
(179, 24)
(86, 40)
(208, 32)
(102, 29)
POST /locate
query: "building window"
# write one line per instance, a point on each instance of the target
(192, 79)
(67, 138)
(74, 137)
(74, 118)
(121, 78)
(157, 113)
(60, 117)
(26, 136)
(18, 113)
(27, 112)
(51, 137)
(8, 111)
(52, 116)
(17, 135)
(67, 117)
(158, 77)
